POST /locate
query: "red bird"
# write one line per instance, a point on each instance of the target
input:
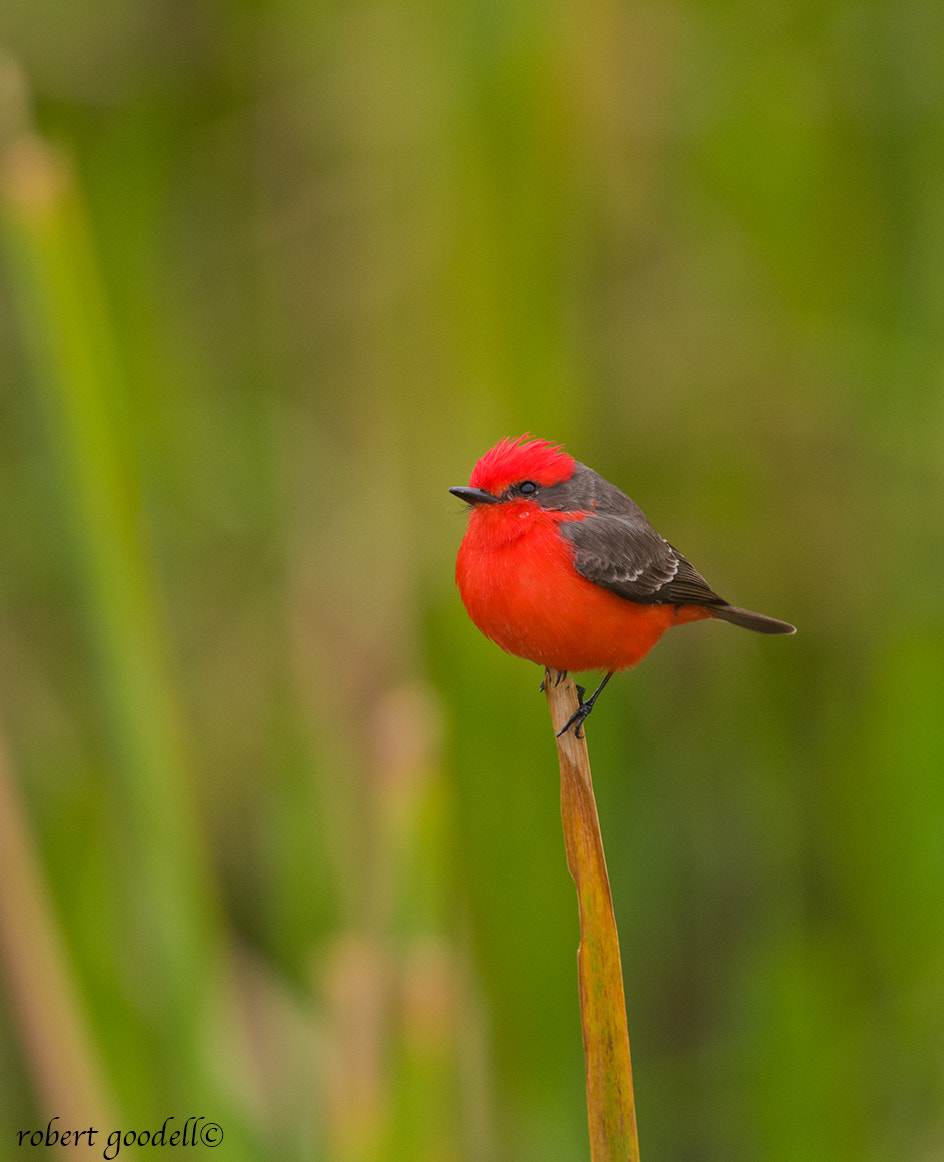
(561, 567)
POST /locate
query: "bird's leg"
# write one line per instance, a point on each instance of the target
(580, 715)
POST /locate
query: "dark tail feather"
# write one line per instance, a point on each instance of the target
(756, 621)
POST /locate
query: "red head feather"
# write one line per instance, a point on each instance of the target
(525, 458)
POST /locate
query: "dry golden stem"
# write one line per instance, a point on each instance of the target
(610, 1106)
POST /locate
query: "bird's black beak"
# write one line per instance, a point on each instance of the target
(474, 495)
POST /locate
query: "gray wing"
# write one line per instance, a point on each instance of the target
(615, 545)
(629, 557)
(617, 548)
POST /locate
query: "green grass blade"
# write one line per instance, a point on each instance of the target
(61, 303)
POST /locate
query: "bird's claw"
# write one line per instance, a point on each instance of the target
(579, 715)
(576, 720)
(584, 707)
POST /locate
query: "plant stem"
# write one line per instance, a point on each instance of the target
(610, 1107)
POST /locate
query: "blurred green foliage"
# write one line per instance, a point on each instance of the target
(280, 841)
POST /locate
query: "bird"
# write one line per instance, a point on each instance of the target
(562, 568)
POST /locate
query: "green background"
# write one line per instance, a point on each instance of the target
(281, 842)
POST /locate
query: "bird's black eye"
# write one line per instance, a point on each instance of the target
(527, 488)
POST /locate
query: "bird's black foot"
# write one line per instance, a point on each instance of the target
(576, 720)
(561, 675)
(582, 712)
